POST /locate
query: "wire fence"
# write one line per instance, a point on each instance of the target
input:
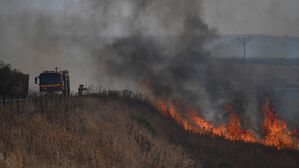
(61, 103)
(50, 99)
(53, 106)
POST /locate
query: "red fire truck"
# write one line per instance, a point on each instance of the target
(54, 82)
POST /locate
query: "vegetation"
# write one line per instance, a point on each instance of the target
(8, 78)
(87, 131)
(144, 122)
(115, 129)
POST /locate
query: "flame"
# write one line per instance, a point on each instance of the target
(231, 131)
(295, 133)
(205, 127)
(176, 117)
(235, 132)
(275, 130)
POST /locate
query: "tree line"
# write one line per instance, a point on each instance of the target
(9, 78)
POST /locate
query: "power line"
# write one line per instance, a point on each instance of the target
(244, 41)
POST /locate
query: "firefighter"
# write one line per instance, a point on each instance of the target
(80, 90)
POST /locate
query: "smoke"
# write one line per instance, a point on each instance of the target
(34, 40)
(271, 17)
(116, 44)
(170, 66)
(79, 36)
(151, 45)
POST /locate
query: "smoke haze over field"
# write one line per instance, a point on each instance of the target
(65, 33)
(124, 43)
(38, 35)
(270, 17)
(115, 44)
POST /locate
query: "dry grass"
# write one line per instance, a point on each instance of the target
(116, 129)
(102, 131)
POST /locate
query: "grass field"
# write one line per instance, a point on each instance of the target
(116, 129)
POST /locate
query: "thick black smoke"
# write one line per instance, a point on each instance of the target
(158, 46)
(119, 44)
(170, 68)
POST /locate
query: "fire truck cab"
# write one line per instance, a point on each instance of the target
(54, 82)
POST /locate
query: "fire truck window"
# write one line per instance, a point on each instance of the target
(49, 78)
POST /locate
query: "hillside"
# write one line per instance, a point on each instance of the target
(116, 129)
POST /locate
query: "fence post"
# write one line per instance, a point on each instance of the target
(18, 110)
(51, 97)
(24, 99)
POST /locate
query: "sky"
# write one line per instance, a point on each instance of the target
(39, 35)
(42, 34)
(270, 17)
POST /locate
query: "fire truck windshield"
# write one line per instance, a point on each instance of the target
(49, 78)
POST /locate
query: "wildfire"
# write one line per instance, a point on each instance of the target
(296, 133)
(275, 130)
(235, 132)
(205, 127)
(176, 117)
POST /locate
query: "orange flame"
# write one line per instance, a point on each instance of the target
(275, 130)
(296, 133)
(235, 132)
(176, 117)
(205, 127)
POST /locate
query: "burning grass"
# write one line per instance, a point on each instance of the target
(123, 129)
(275, 131)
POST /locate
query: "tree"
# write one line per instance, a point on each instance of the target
(8, 79)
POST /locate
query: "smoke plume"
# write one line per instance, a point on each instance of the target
(155, 46)
(114, 43)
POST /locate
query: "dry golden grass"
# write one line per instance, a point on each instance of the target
(82, 132)
(116, 129)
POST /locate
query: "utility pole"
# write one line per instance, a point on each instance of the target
(244, 41)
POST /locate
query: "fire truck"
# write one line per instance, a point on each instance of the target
(54, 82)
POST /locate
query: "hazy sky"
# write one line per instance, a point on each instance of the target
(39, 35)
(274, 17)
(50, 33)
